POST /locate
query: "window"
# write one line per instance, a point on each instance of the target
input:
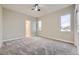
(39, 25)
(65, 22)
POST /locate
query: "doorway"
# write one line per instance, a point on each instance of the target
(28, 32)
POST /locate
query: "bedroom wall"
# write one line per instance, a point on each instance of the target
(1, 37)
(14, 24)
(51, 25)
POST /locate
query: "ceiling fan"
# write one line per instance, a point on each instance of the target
(36, 7)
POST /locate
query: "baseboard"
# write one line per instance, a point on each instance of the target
(13, 39)
(39, 36)
(57, 39)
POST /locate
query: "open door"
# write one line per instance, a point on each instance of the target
(28, 32)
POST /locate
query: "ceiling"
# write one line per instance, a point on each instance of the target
(27, 8)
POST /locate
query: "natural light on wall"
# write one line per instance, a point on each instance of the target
(39, 25)
(65, 23)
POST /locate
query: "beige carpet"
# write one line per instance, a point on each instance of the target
(37, 46)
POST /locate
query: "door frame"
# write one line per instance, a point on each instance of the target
(75, 26)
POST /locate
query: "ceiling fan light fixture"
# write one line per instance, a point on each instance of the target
(36, 7)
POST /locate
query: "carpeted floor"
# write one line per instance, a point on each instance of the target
(37, 46)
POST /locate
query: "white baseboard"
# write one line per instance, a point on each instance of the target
(37, 35)
(13, 39)
(56, 39)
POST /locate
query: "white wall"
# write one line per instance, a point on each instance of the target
(14, 24)
(51, 25)
(1, 25)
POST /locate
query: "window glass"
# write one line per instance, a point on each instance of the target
(65, 22)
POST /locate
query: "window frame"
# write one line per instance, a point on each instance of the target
(70, 23)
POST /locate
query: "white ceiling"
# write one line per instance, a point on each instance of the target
(27, 8)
